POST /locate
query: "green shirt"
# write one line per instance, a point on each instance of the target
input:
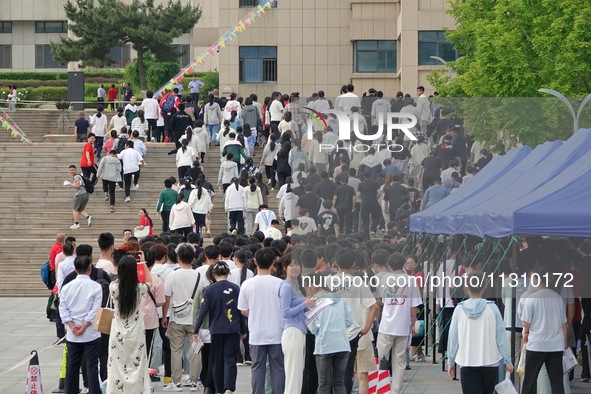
(166, 200)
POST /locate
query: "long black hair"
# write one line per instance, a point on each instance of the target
(245, 257)
(253, 186)
(146, 214)
(128, 282)
(233, 116)
(141, 114)
(226, 127)
(179, 198)
(184, 142)
(210, 99)
(272, 144)
(236, 182)
(198, 183)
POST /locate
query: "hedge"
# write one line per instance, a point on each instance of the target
(28, 83)
(52, 76)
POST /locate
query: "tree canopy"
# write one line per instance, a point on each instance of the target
(99, 25)
(512, 48)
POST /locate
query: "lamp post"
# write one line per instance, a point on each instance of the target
(576, 116)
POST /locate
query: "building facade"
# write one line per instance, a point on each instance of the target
(298, 46)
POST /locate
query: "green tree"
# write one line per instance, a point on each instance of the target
(99, 25)
(512, 48)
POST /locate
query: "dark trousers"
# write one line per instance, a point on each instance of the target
(109, 187)
(445, 318)
(166, 356)
(87, 171)
(533, 364)
(237, 221)
(310, 374)
(199, 221)
(182, 170)
(224, 370)
(206, 375)
(151, 128)
(350, 369)
(104, 356)
(281, 177)
(195, 97)
(356, 214)
(368, 210)
(98, 146)
(149, 338)
(479, 380)
(184, 231)
(345, 221)
(271, 175)
(260, 355)
(127, 178)
(165, 215)
(331, 373)
(158, 133)
(90, 351)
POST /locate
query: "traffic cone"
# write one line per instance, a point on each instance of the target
(61, 385)
(34, 384)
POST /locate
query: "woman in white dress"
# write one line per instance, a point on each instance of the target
(200, 139)
(127, 367)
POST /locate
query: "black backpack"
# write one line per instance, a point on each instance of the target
(88, 185)
(100, 279)
(121, 144)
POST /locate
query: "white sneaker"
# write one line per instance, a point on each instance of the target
(135, 187)
(172, 387)
(75, 226)
(194, 387)
(186, 381)
(127, 199)
(84, 390)
(90, 220)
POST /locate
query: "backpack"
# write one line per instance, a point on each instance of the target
(88, 185)
(121, 141)
(169, 103)
(46, 276)
(100, 279)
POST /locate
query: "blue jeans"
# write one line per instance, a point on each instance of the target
(213, 131)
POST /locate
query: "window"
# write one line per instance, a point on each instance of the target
(254, 3)
(375, 56)
(5, 27)
(5, 56)
(51, 27)
(120, 56)
(184, 54)
(44, 59)
(258, 64)
(433, 43)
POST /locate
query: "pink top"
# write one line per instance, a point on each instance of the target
(151, 320)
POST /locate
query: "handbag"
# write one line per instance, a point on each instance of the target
(104, 318)
(142, 233)
(521, 364)
(184, 308)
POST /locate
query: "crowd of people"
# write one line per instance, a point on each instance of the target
(265, 293)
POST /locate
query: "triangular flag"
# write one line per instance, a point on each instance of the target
(200, 61)
(242, 25)
(268, 4)
(223, 44)
(34, 384)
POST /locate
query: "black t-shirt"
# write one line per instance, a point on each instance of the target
(432, 165)
(311, 202)
(394, 196)
(194, 172)
(344, 195)
(369, 192)
(482, 162)
(298, 191)
(82, 126)
(325, 189)
(446, 153)
(313, 179)
(414, 195)
(327, 221)
(402, 155)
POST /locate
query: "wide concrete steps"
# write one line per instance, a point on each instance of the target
(36, 206)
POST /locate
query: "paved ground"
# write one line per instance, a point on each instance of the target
(25, 328)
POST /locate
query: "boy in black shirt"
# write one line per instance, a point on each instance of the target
(328, 221)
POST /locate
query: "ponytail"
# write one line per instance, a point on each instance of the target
(199, 189)
(236, 183)
(185, 143)
(227, 128)
(233, 116)
(253, 188)
(272, 145)
(189, 133)
(211, 99)
(288, 188)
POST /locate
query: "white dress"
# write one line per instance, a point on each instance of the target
(127, 367)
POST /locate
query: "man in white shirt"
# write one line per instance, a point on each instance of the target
(259, 302)
(379, 108)
(66, 266)
(106, 243)
(423, 109)
(273, 231)
(132, 160)
(349, 100)
(276, 110)
(307, 224)
(195, 87)
(151, 112)
(79, 301)
(400, 297)
(226, 252)
(263, 218)
(180, 289)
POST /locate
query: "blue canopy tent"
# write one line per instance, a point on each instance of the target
(421, 222)
(444, 221)
(565, 211)
(494, 217)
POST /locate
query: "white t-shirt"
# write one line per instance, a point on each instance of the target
(398, 301)
(106, 265)
(307, 225)
(179, 287)
(359, 299)
(263, 219)
(162, 271)
(236, 274)
(272, 232)
(99, 125)
(275, 111)
(131, 160)
(260, 296)
(544, 310)
(151, 108)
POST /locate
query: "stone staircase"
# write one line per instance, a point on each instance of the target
(36, 206)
